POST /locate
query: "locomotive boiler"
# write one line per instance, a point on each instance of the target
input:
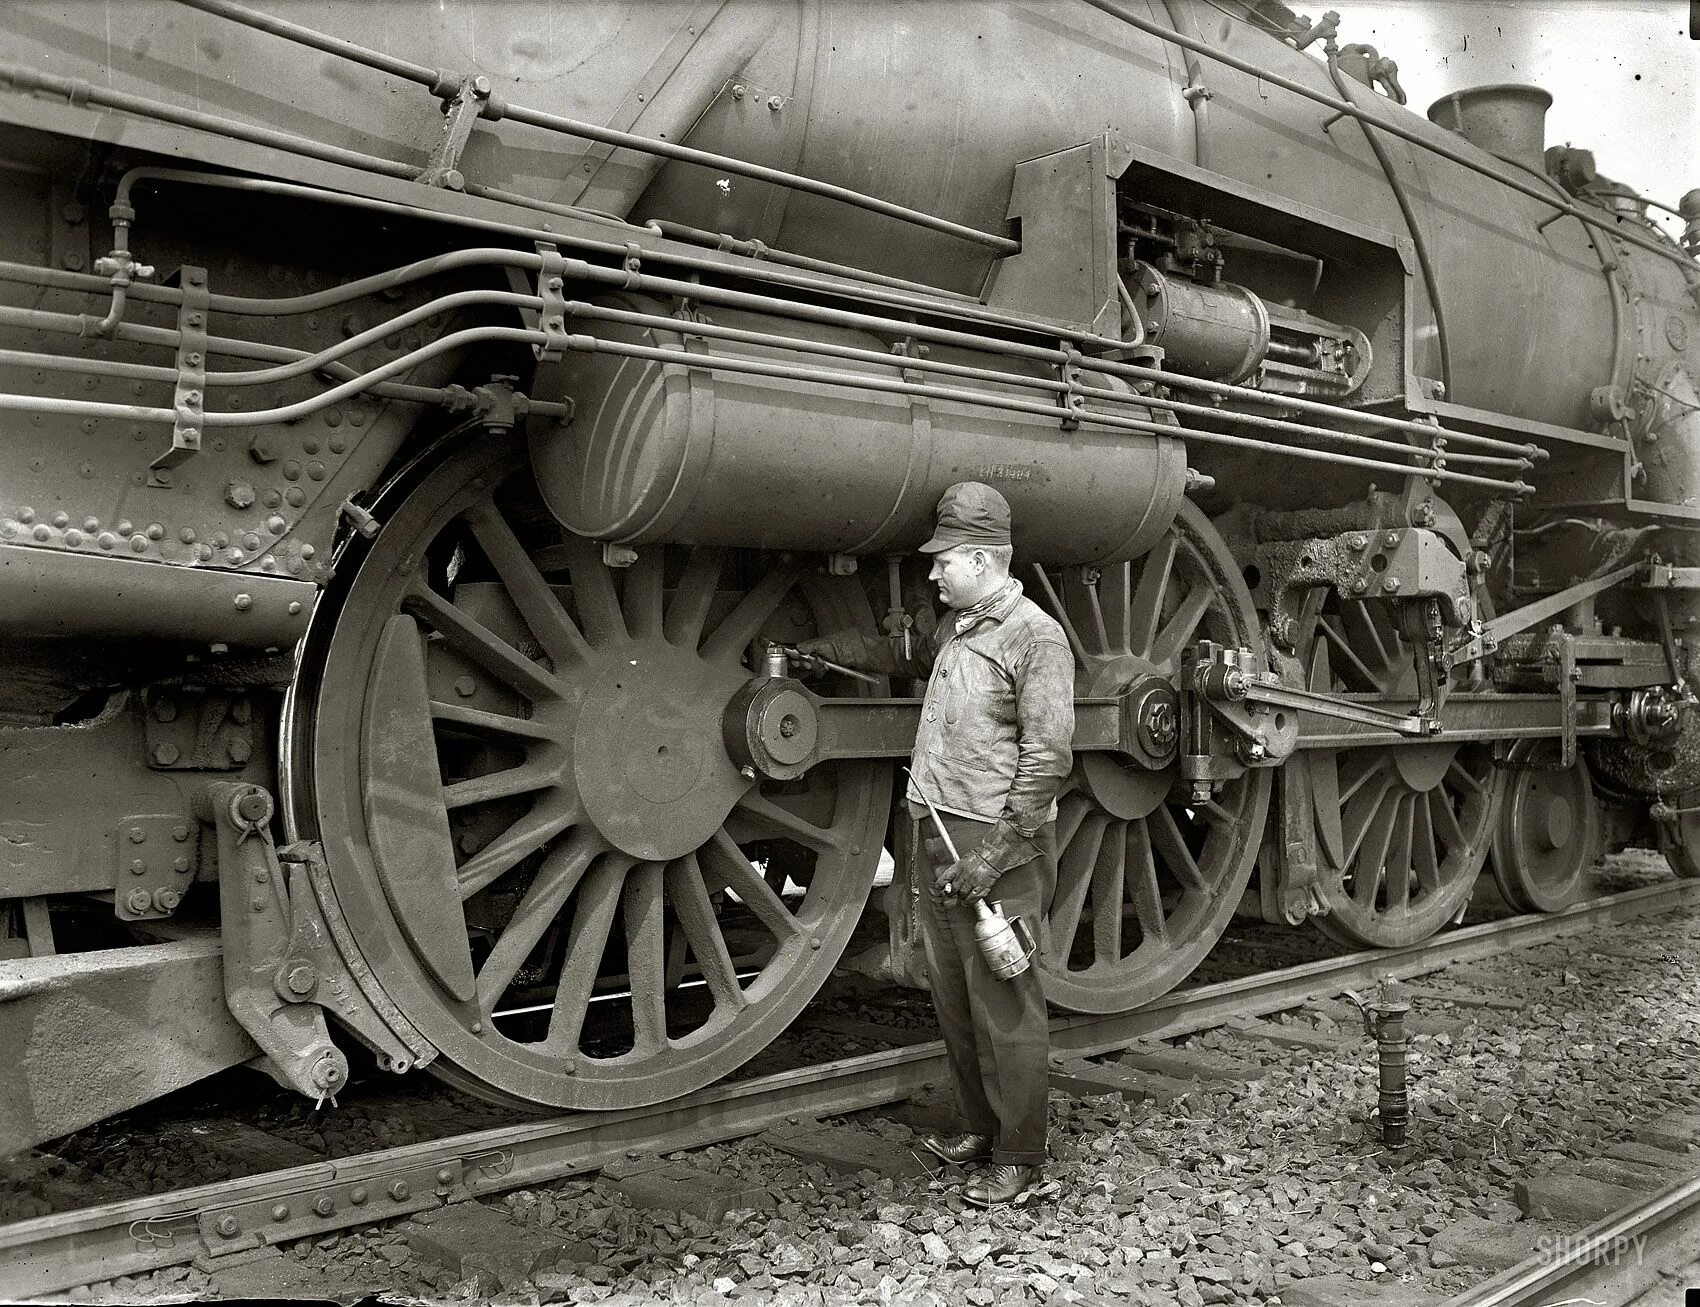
(425, 433)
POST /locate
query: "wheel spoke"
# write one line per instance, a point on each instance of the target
(733, 869)
(1371, 859)
(642, 604)
(1458, 772)
(1109, 894)
(646, 955)
(1452, 837)
(1085, 611)
(1115, 601)
(526, 586)
(593, 918)
(694, 597)
(538, 907)
(1367, 680)
(532, 775)
(1145, 612)
(1399, 855)
(476, 720)
(1171, 846)
(1360, 629)
(1074, 877)
(1054, 605)
(1147, 895)
(471, 638)
(1071, 811)
(1361, 810)
(593, 590)
(548, 818)
(1178, 631)
(744, 622)
(1361, 766)
(766, 812)
(1425, 860)
(694, 910)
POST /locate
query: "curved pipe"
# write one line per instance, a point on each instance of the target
(1197, 95)
(1431, 283)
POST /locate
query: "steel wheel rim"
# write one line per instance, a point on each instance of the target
(1402, 830)
(1549, 835)
(640, 880)
(1173, 874)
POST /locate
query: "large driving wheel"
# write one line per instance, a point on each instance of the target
(512, 753)
(1402, 829)
(1146, 880)
(1549, 834)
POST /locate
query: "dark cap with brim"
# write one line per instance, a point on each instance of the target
(970, 513)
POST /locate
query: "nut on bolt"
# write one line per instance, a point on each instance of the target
(166, 900)
(138, 901)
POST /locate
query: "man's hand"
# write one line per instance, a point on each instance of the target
(968, 880)
(813, 651)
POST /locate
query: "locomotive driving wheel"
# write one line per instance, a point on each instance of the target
(1549, 834)
(512, 754)
(1402, 829)
(1146, 880)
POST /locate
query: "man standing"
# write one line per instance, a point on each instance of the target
(994, 744)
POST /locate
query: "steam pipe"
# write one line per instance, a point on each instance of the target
(1404, 133)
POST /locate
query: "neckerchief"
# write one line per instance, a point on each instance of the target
(1008, 591)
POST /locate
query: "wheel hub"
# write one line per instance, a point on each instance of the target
(647, 755)
(1560, 825)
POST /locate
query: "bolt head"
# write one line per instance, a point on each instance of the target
(165, 755)
(244, 602)
(1358, 541)
(138, 867)
(137, 835)
(1390, 539)
(301, 979)
(775, 103)
(465, 686)
(180, 833)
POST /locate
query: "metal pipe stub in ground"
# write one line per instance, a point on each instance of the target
(1394, 1103)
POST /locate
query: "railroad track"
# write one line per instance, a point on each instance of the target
(211, 1221)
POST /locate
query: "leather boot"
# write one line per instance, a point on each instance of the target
(958, 1148)
(999, 1184)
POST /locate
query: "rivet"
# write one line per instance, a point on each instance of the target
(358, 1195)
(155, 531)
(272, 498)
(338, 444)
(220, 539)
(73, 537)
(125, 527)
(239, 750)
(280, 1212)
(814, 943)
(42, 533)
(26, 514)
(260, 878)
(187, 535)
(233, 555)
(203, 552)
(137, 867)
(250, 542)
(444, 1175)
(292, 471)
(307, 551)
(478, 1027)
(276, 524)
(310, 446)
(61, 520)
(295, 496)
(180, 865)
(357, 417)
(333, 418)
(108, 540)
(139, 543)
(91, 524)
(316, 470)
(257, 903)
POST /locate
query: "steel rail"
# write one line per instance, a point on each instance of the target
(1574, 1269)
(55, 1252)
(492, 108)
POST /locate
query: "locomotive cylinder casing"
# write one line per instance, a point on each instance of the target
(661, 451)
(1220, 332)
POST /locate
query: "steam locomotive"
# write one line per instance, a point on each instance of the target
(424, 439)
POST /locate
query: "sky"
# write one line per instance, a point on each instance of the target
(1624, 75)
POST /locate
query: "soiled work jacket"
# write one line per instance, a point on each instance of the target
(997, 724)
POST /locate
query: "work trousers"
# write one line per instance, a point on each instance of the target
(996, 1032)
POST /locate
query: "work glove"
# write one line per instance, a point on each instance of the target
(814, 650)
(971, 878)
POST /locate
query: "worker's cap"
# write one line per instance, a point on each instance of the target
(970, 513)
